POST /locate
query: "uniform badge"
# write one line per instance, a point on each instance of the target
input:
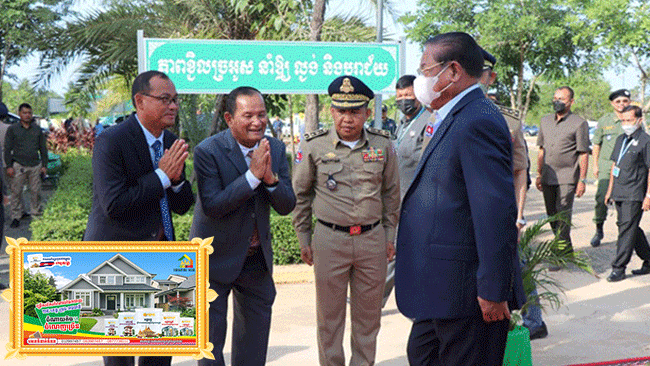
(330, 183)
(380, 155)
(428, 132)
(298, 156)
(330, 155)
(609, 137)
(635, 142)
(372, 154)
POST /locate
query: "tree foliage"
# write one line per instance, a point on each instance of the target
(25, 26)
(529, 38)
(38, 289)
(622, 28)
(24, 92)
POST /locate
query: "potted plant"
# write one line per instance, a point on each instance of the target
(537, 255)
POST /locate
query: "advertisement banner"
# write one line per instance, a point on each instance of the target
(121, 298)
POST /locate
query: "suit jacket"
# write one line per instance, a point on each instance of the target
(227, 208)
(457, 235)
(126, 189)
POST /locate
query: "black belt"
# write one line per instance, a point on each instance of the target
(352, 230)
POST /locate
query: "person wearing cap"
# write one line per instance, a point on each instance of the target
(520, 163)
(562, 162)
(609, 127)
(532, 318)
(347, 177)
(387, 124)
(409, 143)
(629, 190)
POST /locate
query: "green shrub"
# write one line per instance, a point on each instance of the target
(189, 313)
(66, 214)
(286, 249)
(97, 312)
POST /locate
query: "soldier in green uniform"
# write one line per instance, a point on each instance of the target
(609, 127)
(347, 178)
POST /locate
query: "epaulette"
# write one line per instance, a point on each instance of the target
(514, 113)
(379, 132)
(311, 135)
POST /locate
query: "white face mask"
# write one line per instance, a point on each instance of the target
(629, 129)
(423, 88)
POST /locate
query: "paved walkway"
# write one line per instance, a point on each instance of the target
(599, 320)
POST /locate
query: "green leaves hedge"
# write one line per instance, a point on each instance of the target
(66, 214)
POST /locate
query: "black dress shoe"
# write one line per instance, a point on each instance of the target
(539, 333)
(645, 269)
(15, 223)
(616, 276)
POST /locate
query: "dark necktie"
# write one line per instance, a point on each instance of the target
(255, 238)
(164, 205)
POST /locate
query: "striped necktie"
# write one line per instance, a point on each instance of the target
(164, 205)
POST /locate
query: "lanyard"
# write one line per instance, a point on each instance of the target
(411, 123)
(624, 149)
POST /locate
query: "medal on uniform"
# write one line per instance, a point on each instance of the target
(330, 183)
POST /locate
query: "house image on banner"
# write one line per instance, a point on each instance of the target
(115, 284)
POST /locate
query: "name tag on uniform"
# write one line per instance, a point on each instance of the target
(616, 171)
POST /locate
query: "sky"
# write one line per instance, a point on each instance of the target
(162, 264)
(622, 78)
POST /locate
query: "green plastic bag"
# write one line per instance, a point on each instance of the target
(518, 351)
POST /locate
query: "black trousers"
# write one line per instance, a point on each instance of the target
(254, 293)
(559, 198)
(457, 342)
(630, 235)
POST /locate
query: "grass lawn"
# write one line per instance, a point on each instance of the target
(87, 323)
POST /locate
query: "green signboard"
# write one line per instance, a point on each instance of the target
(215, 66)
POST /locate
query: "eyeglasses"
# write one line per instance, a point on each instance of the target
(421, 71)
(165, 99)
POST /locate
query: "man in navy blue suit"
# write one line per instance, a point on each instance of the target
(241, 174)
(457, 260)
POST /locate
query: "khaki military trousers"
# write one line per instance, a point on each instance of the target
(22, 175)
(360, 261)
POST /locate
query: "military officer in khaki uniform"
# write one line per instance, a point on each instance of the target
(520, 161)
(347, 177)
(608, 129)
(532, 318)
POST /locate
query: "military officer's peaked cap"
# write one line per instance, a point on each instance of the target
(620, 93)
(348, 92)
(488, 58)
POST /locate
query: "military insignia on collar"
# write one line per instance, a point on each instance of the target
(346, 87)
(298, 156)
(373, 154)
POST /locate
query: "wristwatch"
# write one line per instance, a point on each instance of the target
(521, 222)
(276, 180)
